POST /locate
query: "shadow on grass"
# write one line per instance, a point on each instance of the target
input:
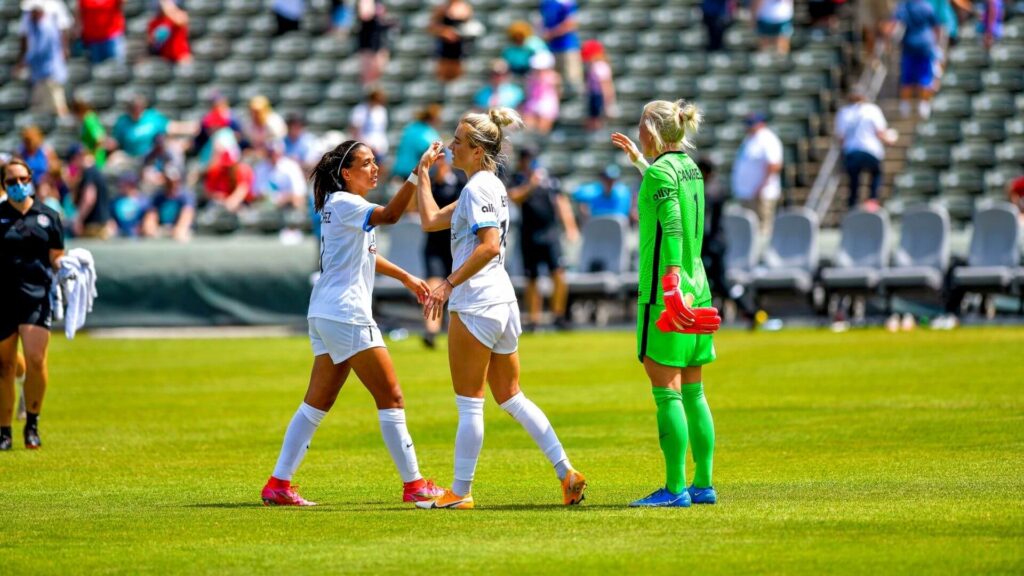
(388, 507)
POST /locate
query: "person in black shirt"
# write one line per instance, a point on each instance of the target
(91, 195)
(31, 245)
(542, 205)
(446, 185)
(716, 243)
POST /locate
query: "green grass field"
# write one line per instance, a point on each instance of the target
(843, 453)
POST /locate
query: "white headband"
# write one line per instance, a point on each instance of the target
(342, 163)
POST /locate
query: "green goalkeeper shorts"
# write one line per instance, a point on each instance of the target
(670, 348)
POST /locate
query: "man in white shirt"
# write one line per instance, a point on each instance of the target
(279, 179)
(863, 133)
(756, 180)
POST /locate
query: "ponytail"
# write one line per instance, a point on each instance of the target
(327, 176)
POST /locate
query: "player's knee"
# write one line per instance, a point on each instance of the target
(8, 370)
(35, 361)
(390, 398)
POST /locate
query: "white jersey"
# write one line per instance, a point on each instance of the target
(482, 204)
(348, 261)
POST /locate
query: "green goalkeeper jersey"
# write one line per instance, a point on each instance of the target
(671, 206)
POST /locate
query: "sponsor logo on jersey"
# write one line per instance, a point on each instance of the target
(663, 193)
(489, 208)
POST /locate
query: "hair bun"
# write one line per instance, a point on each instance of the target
(504, 117)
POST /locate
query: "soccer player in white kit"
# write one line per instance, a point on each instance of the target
(484, 330)
(344, 335)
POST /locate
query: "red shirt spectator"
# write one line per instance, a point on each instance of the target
(101, 19)
(168, 33)
(229, 182)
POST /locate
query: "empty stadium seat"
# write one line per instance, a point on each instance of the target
(863, 253)
(920, 261)
(791, 257)
(405, 249)
(741, 230)
(603, 258)
(994, 253)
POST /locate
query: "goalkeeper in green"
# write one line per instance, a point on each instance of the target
(675, 318)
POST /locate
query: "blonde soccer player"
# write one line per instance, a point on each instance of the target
(484, 327)
(342, 330)
(673, 339)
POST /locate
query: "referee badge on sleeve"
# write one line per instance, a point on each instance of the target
(43, 220)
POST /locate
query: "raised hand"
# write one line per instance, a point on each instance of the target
(430, 156)
(622, 142)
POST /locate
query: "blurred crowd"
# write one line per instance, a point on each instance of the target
(149, 175)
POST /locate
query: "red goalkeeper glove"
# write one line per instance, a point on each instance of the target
(678, 316)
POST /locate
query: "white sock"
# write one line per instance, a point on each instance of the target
(399, 443)
(469, 439)
(536, 423)
(296, 440)
(924, 109)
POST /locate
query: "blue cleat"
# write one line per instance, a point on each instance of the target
(703, 495)
(662, 498)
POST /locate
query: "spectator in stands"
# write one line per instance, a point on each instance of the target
(445, 186)
(990, 25)
(919, 56)
(874, 18)
(368, 124)
(756, 180)
(167, 34)
(1015, 193)
(288, 14)
(36, 153)
(102, 29)
(57, 10)
(716, 243)
(949, 22)
(44, 51)
(161, 158)
(340, 18)
(863, 134)
(299, 144)
(606, 197)
(543, 206)
(542, 105)
(220, 116)
(171, 211)
(91, 196)
(823, 17)
(601, 101)
(129, 208)
(263, 124)
(718, 16)
(774, 24)
(52, 190)
(416, 139)
(279, 181)
(524, 44)
(93, 135)
(446, 23)
(559, 17)
(136, 130)
(372, 39)
(500, 91)
(228, 184)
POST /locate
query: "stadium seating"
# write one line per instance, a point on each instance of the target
(405, 249)
(790, 260)
(604, 258)
(741, 229)
(995, 251)
(921, 261)
(862, 256)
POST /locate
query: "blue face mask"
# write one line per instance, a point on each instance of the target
(18, 192)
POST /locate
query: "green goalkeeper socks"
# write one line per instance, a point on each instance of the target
(702, 432)
(672, 434)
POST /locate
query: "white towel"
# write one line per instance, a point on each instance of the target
(77, 278)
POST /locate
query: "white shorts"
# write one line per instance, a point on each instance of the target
(342, 341)
(497, 327)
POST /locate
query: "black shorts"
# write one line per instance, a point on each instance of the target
(534, 254)
(34, 312)
(438, 262)
(595, 105)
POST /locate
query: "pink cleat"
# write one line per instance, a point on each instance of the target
(282, 493)
(422, 490)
